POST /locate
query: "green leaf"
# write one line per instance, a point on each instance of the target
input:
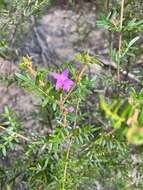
(135, 135)
(133, 41)
(130, 45)
(4, 150)
(109, 111)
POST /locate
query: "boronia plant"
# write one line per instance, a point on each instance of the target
(63, 158)
(92, 134)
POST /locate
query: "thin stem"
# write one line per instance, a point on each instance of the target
(120, 38)
(65, 118)
(61, 104)
(69, 148)
(18, 135)
(66, 164)
(76, 114)
(106, 6)
(77, 80)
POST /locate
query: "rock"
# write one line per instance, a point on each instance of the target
(13, 96)
(62, 33)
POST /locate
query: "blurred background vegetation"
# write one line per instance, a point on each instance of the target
(107, 131)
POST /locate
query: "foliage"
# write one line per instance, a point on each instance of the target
(63, 158)
(90, 135)
(15, 18)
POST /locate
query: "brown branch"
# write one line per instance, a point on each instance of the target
(66, 164)
(120, 38)
(18, 135)
(76, 114)
(78, 79)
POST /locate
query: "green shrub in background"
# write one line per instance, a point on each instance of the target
(16, 19)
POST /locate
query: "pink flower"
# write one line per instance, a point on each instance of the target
(63, 82)
(71, 109)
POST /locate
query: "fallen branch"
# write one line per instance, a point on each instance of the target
(114, 66)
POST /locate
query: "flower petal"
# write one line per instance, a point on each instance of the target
(65, 73)
(55, 75)
(59, 84)
(71, 109)
(68, 85)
